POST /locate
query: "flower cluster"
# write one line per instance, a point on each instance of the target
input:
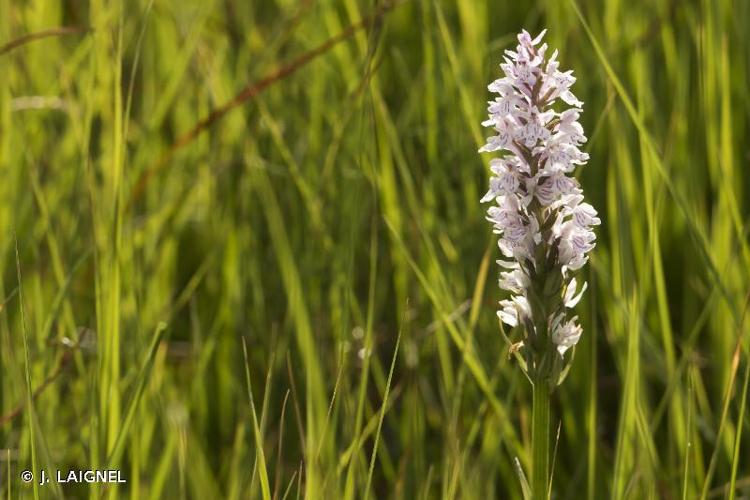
(543, 223)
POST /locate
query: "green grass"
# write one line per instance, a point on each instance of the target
(317, 246)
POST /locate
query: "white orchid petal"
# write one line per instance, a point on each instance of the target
(570, 302)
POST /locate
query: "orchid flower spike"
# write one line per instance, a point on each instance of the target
(538, 209)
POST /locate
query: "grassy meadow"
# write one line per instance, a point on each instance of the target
(242, 253)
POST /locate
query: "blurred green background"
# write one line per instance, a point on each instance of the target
(329, 221)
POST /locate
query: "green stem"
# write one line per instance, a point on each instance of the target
(540, 441)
